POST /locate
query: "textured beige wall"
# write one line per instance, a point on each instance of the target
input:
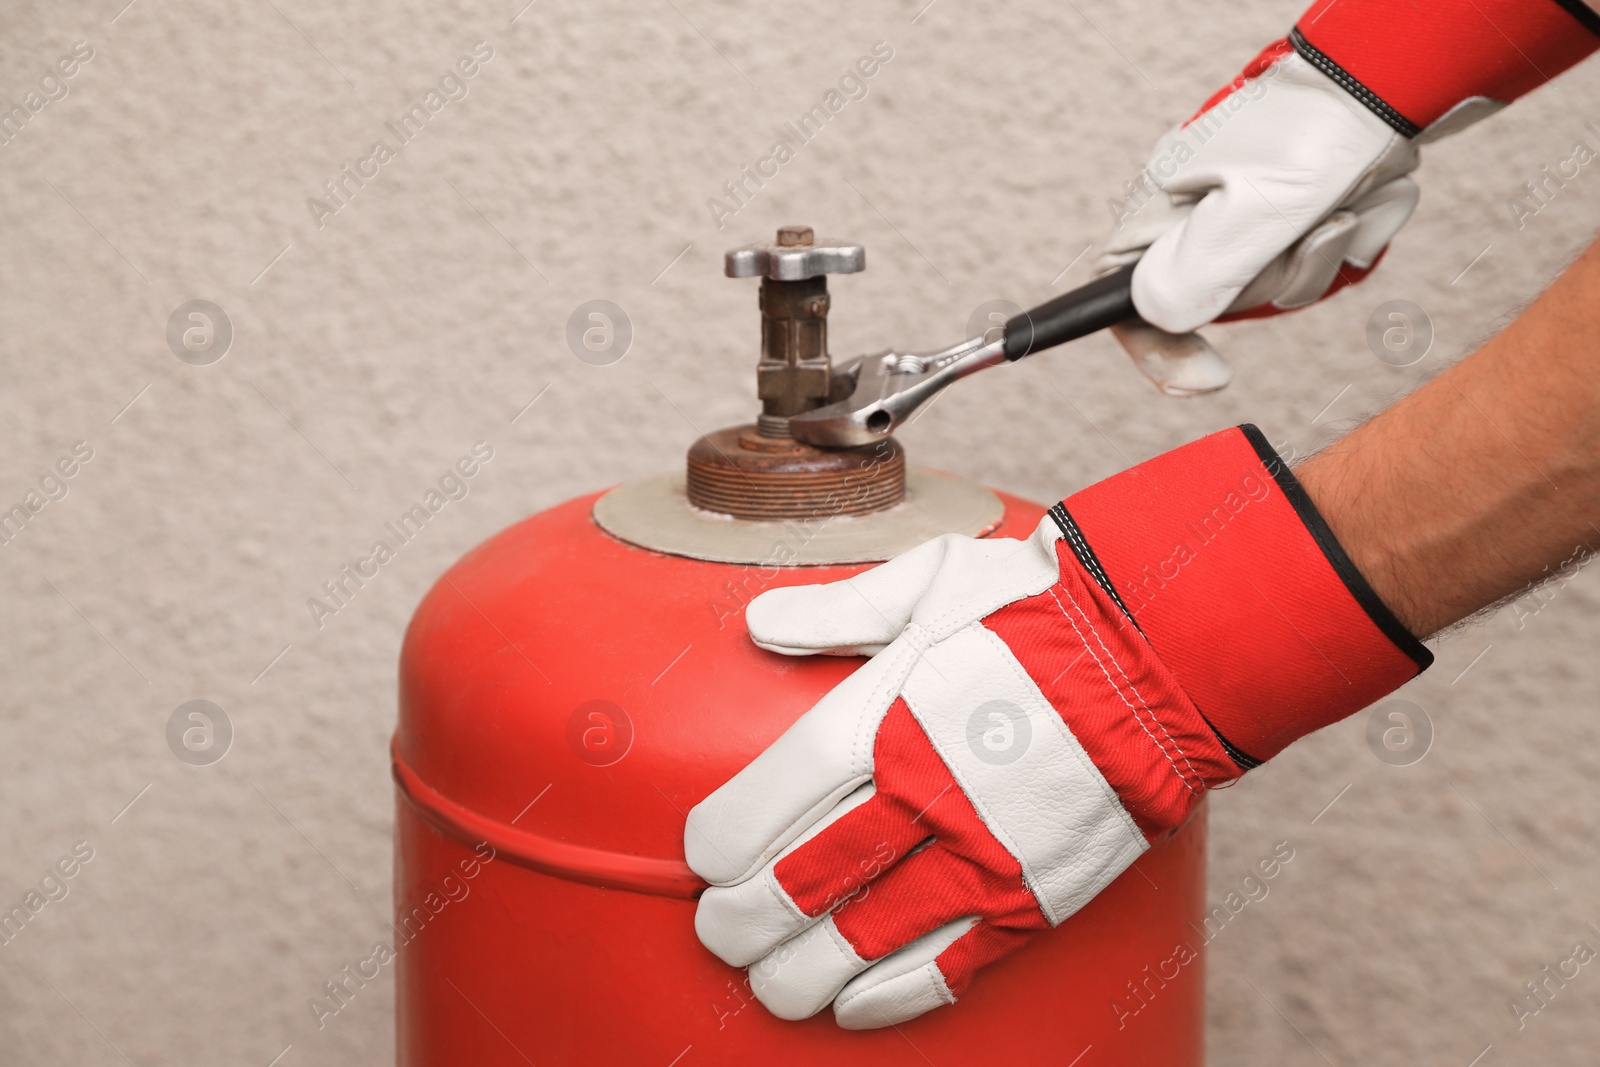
(370, 352)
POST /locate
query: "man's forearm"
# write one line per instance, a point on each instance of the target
(1486, 477)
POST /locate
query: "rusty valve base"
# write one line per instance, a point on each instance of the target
(759, 471)
(740, 472)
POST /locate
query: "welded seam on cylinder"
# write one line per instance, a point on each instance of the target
(584, 864)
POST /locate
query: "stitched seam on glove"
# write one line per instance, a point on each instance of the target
(929, 971)
(940, 986)
(1188, 783)
(1054, 718)
(845, 947)
(1264, 692)
(770, 882)
(996, 826)
(1086, 557)
(1376, 104)
(887, 690)
(964, 614)
(807, 819)
(1242, 759)
(1091, 563)
(990, 819)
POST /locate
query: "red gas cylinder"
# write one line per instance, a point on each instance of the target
(574, 685)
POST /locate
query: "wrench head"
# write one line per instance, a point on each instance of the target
(888, 390)
(868, 414)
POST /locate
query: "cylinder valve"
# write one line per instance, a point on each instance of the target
(759, 471)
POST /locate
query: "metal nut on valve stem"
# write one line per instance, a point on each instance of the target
(791, 236)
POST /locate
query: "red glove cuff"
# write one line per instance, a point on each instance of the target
(1411, 62)
(1225, 564)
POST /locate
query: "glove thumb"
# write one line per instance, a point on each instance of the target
(854, 617)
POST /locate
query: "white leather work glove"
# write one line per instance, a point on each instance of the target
(1034, 713)
(1289, 183)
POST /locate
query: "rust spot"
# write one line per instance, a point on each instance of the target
(737, 471)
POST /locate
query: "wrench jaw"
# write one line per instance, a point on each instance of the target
(858, 418)
(889, 387)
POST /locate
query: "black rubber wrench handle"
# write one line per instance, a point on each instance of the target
(1088, 309)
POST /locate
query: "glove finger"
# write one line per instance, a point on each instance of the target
(1305, 270)
(1179, 364)
(1147, 214)
(945, 583)
(1382, 212)
(849, 855)
(929, 973)
(902, 985)
(856, 616)
(863, 837)
(799, 779)
(1194, 271)
(829, 863)
(927, 890)
(1339, 251)
(798, 978)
